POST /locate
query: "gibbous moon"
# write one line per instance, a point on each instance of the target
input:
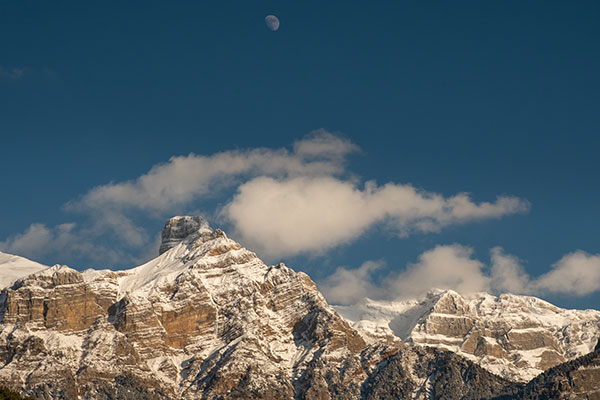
(272, 22)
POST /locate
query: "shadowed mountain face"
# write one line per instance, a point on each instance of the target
(578, 379)
(440, 375)
(207, 319)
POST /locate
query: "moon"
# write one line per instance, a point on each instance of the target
(272, 22)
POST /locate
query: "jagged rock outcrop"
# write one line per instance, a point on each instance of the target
(516, 337)
(177, 229)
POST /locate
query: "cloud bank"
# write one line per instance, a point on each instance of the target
(453, 267)
(313, 214)
(285, 203)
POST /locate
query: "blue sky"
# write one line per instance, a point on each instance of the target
(489, 98)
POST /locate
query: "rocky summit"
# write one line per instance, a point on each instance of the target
(207, 319)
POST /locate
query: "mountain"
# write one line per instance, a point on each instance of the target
(579, 378)
(207, 319)
(14, 267)
(516, 337)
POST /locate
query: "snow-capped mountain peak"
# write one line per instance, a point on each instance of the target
(193, 321)
(12, 268)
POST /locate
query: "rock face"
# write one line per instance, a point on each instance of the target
(207, 319)
(516, 337)
(178, 229)
(429, 373)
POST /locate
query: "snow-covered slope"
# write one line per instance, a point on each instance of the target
(517, 337)
(13, 268)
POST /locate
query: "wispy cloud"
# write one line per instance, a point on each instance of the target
(14, 73)
(20, 73)
(57, 243)
(453, 267)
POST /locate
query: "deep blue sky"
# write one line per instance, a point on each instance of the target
(484, 97)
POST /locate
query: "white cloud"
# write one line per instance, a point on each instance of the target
(185, 178)
(444, 267)
(32, 242)
(453, 267)
(347, 286)
(577, 273)
(507, 273)
(282, 217)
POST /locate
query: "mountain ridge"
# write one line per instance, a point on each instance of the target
(516, 337)
(208, 319)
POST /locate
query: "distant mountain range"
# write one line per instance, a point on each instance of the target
(516, 337)
(207, 319)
